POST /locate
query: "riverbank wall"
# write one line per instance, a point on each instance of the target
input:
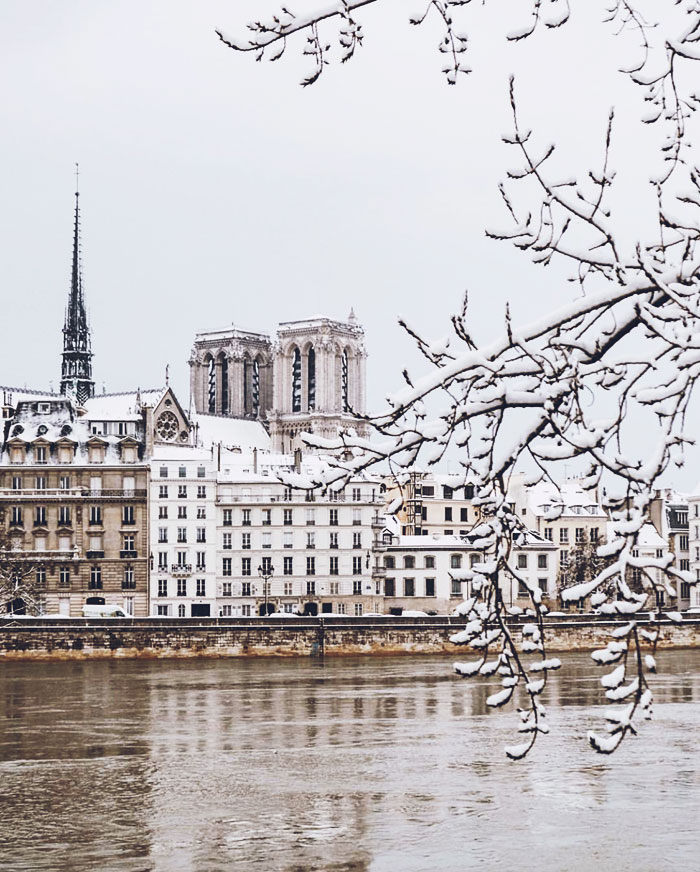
(56, 639)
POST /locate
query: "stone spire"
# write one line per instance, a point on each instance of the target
(76, 367)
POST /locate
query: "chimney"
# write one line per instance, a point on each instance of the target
(297, 460)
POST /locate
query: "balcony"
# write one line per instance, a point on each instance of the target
(94, 555)
(44, 555)
(40, 522)
(128, 553)
(179, 570)
(16, 523)
(128, 585)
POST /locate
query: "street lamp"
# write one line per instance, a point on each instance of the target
(266, 570)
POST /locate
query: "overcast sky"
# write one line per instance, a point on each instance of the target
(215, 190)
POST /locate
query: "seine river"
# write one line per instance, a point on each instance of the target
(389, 765)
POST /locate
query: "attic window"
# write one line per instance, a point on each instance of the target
(43, 408)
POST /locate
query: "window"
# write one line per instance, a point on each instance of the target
(245, 541)
(357, 566)
(455, 561)
(182, 491)
(333, 519)
(409, 587)
(95, 515)
(455, 587)
(311, 587)
(16, 482)
(409, 562)
(334, 540)
(266, 517)
(448, 513)
(522, 561)
(311, 540)
(464, 515)
(128, 515)
(266, 539)
(163, 611)
(201, 513)
(16, 517)
(95, 582)
(563, 558)
(129, 542)
(390, 562)
(389, 587)
(311, 566)
(201, 560)
(246, 590)
(357, 540)
(162, 534)
(201, 534)
(683, 542)
(357, 517)
(288, 588)
(246, 518)
(40, 576)
(182, 534)
(684, 565)
(41, 482)
(523, 590)
(182, 587)
(228, 520)
(334, 588)
(267, 565)
(201, 492)
(542, 561)
(128, 580)
(163, 491)
(430, 587)
(227, 541)
(201, 587)
(287, 517)
(580, 535)
(356, 495)
(564, 536)
(63, 482)
(333, 569)
(40, 454)
(358, 610)
(226, 566)
(542, 582)
(447, 493)
(357, 586)
(685, 590)
(245, 566)
(288, 570)
(340, 608)
(162, 587)
(201, 472)
(310, 516)
(428, 490)
(162, 512)
(182, 512)
(287, 541)
(162, 559)
(163, 472)
(429, 562)
(549, 534)
(64, 516)
(182, 472)
(64, 576)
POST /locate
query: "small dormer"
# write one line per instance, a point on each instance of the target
(65, 450)
(97, 448)
(129, 449)
(41, 450)
(17, 448)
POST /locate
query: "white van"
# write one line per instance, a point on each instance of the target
(104, 611)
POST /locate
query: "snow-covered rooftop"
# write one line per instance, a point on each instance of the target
(122, 406)
(569, 498)
(232, 433)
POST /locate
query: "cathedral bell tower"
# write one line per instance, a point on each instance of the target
(76, 366)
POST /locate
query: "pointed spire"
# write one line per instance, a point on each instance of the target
(76, 368)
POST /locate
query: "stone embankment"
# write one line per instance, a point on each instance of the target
(56, 639)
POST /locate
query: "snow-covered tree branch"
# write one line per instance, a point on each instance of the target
(620, 354)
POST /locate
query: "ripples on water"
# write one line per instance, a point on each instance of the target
(346, 765)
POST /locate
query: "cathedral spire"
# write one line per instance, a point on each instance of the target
(76, 367)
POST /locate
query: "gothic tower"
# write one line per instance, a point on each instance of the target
(76, 365)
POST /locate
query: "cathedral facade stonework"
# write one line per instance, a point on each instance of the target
(310, 378)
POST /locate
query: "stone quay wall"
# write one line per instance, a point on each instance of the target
(55, 639)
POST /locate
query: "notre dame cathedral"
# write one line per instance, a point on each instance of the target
(311, 378)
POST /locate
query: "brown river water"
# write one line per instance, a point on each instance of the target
(381, 764)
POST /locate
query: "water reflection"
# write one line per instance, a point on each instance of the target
(348, 764)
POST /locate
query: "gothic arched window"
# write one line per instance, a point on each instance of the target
(296, 381)
(256, 388)
(211, 397)
(224, 385)
(311, 378)
(344, 387)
